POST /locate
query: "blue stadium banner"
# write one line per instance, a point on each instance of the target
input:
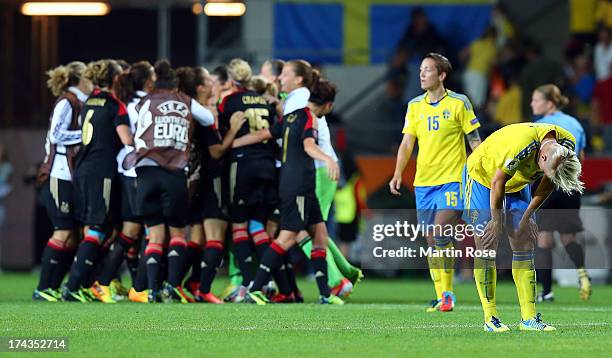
(367, 31)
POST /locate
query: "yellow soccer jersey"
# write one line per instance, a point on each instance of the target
(514, 149)
(440, 129)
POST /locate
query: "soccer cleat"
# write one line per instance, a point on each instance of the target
(256, 297)
(102, 293)
(118, 291)
(171, 294)
(434, 306)
(356, 277)
(280, 298)
(448, 302)
(153, 296)
(495, 325)
(298, 297)
(193, 287)
(331, 300)
(549, 297)
(207, 298)
(585, 285)
(536, 324)
(239, 295)
(228, 292)
(135, 296)
(269, 290)
(343, 289)
(47, 295)
(186, 294)
(74, 296)
(88, 294)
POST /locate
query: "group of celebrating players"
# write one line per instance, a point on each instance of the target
(137, 154)
(140, 157)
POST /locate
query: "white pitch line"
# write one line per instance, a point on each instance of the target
(327, 329)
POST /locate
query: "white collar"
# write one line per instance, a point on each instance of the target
(77, 92)
(141, 94)
(297, 99)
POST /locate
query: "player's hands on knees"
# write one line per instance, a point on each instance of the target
(491, 233)
(237, 120)
(333, 170)
(395, 184)
(527, 230)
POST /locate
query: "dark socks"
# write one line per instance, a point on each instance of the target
(176, 260)
(319, 265)
(115, 258)
(194, 261)
(576, 254)
(85, 259)
(153, 255)
(50, 263)
(271, 260)
(243, 254)
(211, 259)
(544, 269)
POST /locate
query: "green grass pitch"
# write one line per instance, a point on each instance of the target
(382, 318)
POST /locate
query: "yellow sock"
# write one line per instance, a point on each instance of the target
(524, 277)
(434, 272)
(447, 269)
(485, 275)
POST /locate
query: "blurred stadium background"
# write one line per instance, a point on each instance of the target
(370, 48)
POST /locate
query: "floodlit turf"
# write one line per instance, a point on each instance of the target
(383, 318)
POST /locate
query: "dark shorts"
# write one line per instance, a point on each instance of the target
(128, 199)
(299, 212)
(161, 196)
(253, 191)
(214, 197)
(196, 204)
(57, 197)
(560, 212)
(92, 199)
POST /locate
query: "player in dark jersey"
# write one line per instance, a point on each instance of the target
(163, 140)
(71, 88)
(251, 177)
(299, 208)
(105, 127)
(130, 87)
(208, 224)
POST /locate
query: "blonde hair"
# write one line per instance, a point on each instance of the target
(261, 85)
(240, 71)
(62, 77)
(102, 73)
(553, 93)
(567, 173)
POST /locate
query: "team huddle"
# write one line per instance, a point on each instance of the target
(141, 157)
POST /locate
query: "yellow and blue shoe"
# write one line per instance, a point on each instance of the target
(448, 302)
(495, 325)
(434, 306)
(102, 293)
(536, 324)
(331, 300)
(256, 297)
(47, 295)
